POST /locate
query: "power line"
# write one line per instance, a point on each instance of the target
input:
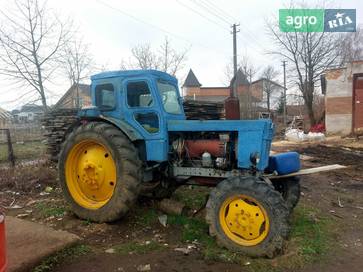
(220, 14)
(157, 27)
(200, 14)
(218, 9)
(211, 11)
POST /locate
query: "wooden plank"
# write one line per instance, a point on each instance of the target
(309, 171)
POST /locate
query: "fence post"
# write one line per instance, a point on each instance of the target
(11, 156)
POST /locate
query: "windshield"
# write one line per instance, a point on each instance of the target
(169, 96)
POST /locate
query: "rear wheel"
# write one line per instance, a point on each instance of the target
(289, 188)
(247, 215)
(99, 172)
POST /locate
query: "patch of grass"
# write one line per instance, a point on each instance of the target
(46, 210)
(311, 233)
(135, 247)
(27, 150)
(192, 228)
(145, 217)
(192, 196)
(66, 254)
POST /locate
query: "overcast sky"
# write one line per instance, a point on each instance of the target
(112, 27)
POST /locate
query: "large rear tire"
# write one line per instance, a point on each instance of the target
(247, 215)
(100, 172)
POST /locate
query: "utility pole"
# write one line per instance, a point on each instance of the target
(234, 33)
(231, 104)
(284, 66)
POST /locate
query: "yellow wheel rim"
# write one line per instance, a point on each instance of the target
(244, 220)
(90, 174)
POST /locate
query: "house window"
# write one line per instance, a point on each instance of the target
(138, 94)
(105, 97)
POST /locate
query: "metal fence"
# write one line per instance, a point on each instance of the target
(20, 142)
(26, 132)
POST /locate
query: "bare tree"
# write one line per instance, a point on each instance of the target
(77, 63)
(309, 54)
(30, 41)
(269, 87)
(165, 58)
(351, 46)
(245, 65)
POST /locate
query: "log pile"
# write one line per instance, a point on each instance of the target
(56, 123)
(202, 110)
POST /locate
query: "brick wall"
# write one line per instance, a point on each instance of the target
(338, 99)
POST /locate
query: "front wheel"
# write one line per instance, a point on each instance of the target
(247, 215)
(290, 190)
(99, 172)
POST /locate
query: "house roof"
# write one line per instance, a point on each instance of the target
(271, 81)
(191, 80)
(241, 78)
(83, 88)
(4, 114)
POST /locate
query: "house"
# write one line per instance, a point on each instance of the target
(80, 93)
(28, 113)
(5, 118)
(251, 95)
(343, 88)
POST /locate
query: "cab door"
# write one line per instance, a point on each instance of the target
(142, 111)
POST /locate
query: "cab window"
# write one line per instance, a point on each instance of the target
(105, 96)
(169, 96)
(138, 94)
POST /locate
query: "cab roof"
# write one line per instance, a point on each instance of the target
(133, 73)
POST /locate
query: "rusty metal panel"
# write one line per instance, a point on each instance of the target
(231, 106)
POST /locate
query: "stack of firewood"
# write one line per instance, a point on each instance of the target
(202, 110)
(56, 123)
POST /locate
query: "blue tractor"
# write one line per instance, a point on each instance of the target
(135, 139)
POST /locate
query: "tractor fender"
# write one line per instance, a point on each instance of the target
(128, 130)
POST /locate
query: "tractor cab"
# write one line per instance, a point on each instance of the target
(140, 103)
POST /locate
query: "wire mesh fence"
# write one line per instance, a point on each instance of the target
(25, 141)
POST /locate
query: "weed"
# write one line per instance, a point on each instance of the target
(135, 247)
(86, 222)
(69, 253)
(145, 217)
(45, 210)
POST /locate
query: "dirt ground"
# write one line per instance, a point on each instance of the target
(337, 195)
